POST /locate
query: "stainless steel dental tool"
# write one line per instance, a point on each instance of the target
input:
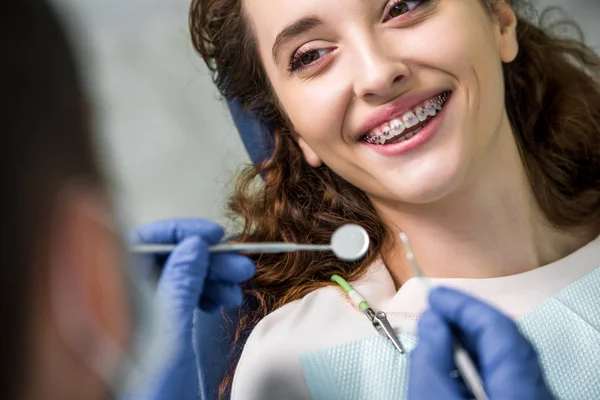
(464, 363)
(349, 242)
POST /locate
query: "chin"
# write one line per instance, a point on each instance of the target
(428, 187)
(428, 194)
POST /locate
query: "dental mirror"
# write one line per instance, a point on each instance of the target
(349, 242)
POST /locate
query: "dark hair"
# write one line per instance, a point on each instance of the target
(552, 100)
(45, 143)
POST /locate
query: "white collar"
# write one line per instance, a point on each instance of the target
(516, 295)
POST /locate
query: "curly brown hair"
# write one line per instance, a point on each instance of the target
(552, 100)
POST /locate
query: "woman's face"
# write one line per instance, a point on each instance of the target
(403, 99)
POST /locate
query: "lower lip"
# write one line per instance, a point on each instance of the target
(426, 133)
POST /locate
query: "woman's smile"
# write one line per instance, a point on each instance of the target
(409, 129)
(368, 91)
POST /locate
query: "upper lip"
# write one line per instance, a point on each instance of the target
(395, 109)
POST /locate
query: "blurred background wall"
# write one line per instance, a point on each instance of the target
(165, 136)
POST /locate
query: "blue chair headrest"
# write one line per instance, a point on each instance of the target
(213, 333)
(256, 135)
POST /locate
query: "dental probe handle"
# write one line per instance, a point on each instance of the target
(274, 247)
(468, 371)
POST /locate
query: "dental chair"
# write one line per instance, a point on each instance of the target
(213, 333)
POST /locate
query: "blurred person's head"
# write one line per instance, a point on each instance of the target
(63, 292)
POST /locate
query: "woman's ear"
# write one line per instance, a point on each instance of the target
(507, 22)
(309, 155)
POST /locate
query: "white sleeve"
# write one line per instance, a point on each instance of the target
(269, 368)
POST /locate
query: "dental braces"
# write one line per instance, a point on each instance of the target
(439, 102)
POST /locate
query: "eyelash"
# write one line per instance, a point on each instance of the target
(296, 65)
(421, 3)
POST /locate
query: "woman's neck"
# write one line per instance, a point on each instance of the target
(490, 227)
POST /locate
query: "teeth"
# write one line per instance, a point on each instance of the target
(395, 124)
(410, 119)
(431, 111)
(410, 135)
(421, 113)
(397, 127)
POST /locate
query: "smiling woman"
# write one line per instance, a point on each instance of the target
(458, 122)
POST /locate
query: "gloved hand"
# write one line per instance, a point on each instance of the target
(191, 277)
(507, 362)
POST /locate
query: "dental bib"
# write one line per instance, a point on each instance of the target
(564, 329)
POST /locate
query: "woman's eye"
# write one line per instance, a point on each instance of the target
(402, 7)
(305, 58)
(310, 57)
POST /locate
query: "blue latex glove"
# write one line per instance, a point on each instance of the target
(507, 362)
(191, 277)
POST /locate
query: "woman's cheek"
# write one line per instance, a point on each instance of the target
(316, 113)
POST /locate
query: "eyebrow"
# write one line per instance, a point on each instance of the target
(291, 31)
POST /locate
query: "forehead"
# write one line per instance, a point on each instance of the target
(269, 17)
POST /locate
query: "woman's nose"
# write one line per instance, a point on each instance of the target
(377, 74)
